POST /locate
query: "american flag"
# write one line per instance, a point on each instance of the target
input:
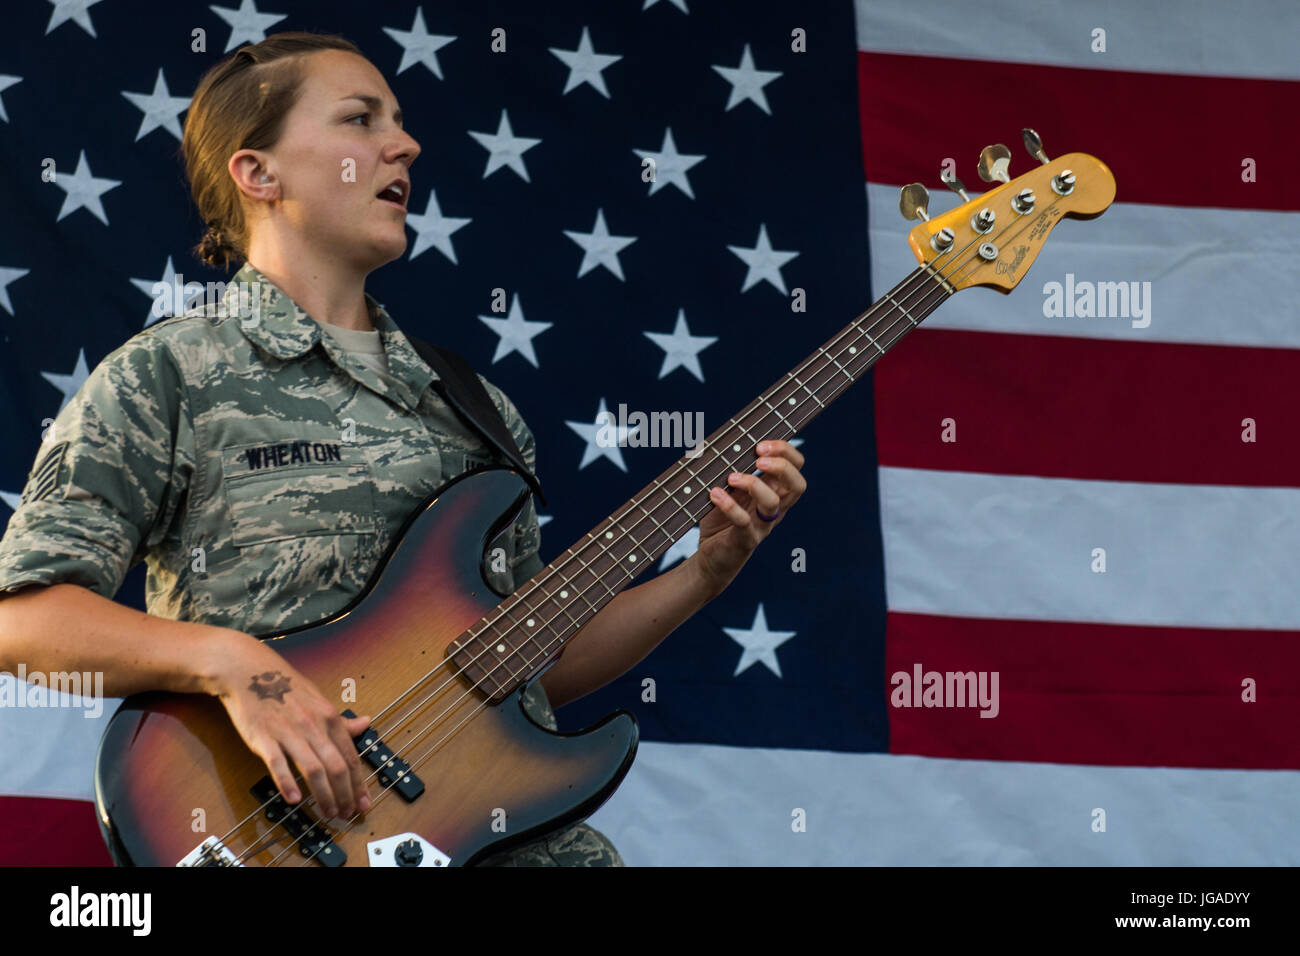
(1099, 512)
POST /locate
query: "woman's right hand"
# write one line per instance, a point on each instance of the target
(282, 717)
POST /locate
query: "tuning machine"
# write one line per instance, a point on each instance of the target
(913, 201)
(1062, 182)
(995, 161)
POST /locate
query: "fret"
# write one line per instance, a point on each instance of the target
(522, 626)
(905, 313)
(587, 567)
(583, 592)
(836, 362)
(657, 525)
(806, 389)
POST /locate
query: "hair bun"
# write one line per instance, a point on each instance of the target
(214, 248)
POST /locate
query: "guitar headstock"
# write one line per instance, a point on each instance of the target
(993, 238)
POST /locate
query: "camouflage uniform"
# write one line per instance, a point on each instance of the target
(290, 466)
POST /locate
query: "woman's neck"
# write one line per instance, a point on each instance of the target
(327, 294)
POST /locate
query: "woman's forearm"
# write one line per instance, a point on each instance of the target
(626, 630)
(65, 627)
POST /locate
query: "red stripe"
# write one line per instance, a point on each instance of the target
(42, 831)
(1170, 139)
(1102, 694)
(1089, 408)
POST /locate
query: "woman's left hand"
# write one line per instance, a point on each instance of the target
(735, 525)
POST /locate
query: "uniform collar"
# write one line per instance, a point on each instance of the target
(279, 326)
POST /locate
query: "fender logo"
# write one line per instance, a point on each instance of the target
(1009, 268)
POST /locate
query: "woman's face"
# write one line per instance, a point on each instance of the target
(341, 145)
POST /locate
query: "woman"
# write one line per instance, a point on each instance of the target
(259, 454)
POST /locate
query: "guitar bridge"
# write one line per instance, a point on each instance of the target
(394, 772)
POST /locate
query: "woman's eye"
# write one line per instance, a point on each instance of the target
(364, 116)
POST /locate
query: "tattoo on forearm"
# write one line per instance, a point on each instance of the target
(270, 684)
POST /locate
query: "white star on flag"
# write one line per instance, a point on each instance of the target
(515, 333)
(682, 548)
(77, 10)
(746, 82)
(599, 248)
(83, 190)
(419, 45)
(7, 276)
(760, 644)
(585, 65)
(193, 290)
(68, 384)
(670, 166)
(160, 108)
(681, 349)
(246, 23)
(764, 262)
(434, 229)
(505, 148)
(602, 449)
(7, 80)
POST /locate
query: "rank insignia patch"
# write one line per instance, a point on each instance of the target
(45, 477)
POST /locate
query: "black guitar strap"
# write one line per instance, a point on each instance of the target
(461, 389)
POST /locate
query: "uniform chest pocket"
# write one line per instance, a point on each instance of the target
(282, 490)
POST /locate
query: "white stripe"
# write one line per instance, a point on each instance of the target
(1009, 546)
(1217, 276)
(697, 804)
(50, 751)
(1203, 37)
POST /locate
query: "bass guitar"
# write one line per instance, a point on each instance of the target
(441, 660)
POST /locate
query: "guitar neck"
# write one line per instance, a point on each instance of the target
(526, 631)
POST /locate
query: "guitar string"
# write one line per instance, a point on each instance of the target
(853, 328)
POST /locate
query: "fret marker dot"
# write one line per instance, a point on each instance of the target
(687, 490)
(853, 350)
(792, 401)
(609, 534)
(564, 594)
(529, 622)
(735, 448)
(501, 648)
(631, 557)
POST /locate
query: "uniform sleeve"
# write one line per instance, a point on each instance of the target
(108, 477)
(526, 560)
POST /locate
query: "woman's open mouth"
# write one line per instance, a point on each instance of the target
(394, 194)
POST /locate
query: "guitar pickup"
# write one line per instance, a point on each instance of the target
(394, 772)
(312, 837)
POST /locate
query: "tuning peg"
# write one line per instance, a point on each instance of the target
(1034, 144)
(913, 200)
(952, 182)
(994, 163)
